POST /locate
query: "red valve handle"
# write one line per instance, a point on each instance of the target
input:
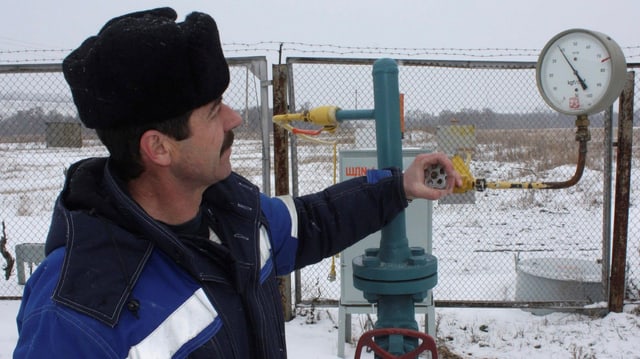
(428, 343)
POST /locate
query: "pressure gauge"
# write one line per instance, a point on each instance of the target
(580, 72)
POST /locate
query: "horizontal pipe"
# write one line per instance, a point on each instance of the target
(342, 115)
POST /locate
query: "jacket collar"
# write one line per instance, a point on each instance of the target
(97, 250)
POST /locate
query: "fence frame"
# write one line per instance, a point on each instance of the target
(255, 66)
(258, 67)
(608, 181)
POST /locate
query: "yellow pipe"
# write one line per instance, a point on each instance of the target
(511, 185)
(462, 167)
(324, 116)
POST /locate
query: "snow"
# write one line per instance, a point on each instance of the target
(467, 332)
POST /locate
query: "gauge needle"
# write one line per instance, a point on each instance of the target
(575, 72)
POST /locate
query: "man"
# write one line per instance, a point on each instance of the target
(161, 250)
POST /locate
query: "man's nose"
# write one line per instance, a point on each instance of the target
(232, 119)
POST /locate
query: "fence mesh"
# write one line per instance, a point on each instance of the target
(499, 245)
(40, 136)
(488, 246)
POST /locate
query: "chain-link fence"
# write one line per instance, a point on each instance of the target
(500, 246)
(40, 136)
(489, 245)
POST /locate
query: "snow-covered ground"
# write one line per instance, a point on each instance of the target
(466, 332)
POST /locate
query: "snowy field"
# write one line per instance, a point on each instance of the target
(31, 178)
(467, 333)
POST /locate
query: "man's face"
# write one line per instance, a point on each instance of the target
(205, 156)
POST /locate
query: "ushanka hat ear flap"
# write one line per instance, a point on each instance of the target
(144, 67)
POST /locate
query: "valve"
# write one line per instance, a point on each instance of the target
(462, 167)
(367, 339)
(435, 176)
(324, 116)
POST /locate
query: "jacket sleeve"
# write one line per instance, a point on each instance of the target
(335, 218)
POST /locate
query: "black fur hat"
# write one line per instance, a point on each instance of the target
(144, 67)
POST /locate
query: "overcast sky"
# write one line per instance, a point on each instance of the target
(63, 24)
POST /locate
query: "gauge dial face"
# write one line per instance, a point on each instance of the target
(579, 72)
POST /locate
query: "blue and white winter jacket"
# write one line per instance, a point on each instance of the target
(118, 284)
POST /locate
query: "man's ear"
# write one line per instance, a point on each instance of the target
(154, 148)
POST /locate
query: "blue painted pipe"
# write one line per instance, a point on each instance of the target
(394, 276)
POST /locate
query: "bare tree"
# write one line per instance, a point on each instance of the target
(5, 253)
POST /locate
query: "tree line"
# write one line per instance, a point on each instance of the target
(33, 121)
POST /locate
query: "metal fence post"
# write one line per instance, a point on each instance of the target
(281, 167)
(623, 182)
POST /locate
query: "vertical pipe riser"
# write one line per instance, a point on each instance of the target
(394, 275)
(394, 246)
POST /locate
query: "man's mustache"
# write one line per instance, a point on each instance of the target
(228, 141)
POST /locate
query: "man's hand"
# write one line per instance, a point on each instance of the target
(414, 177)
